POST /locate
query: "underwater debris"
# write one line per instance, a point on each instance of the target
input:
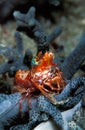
(16, 58)
(28, 20)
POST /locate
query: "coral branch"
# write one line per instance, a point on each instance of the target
(9, 113)
(28, 20)
(68, 115)
(75, 59)
(16, 58)
(7, 6)
(39, 110)
(73, 92)
(19, 43)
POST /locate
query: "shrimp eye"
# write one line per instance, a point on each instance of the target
(34, 61)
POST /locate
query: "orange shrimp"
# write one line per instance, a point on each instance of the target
(45, 77)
